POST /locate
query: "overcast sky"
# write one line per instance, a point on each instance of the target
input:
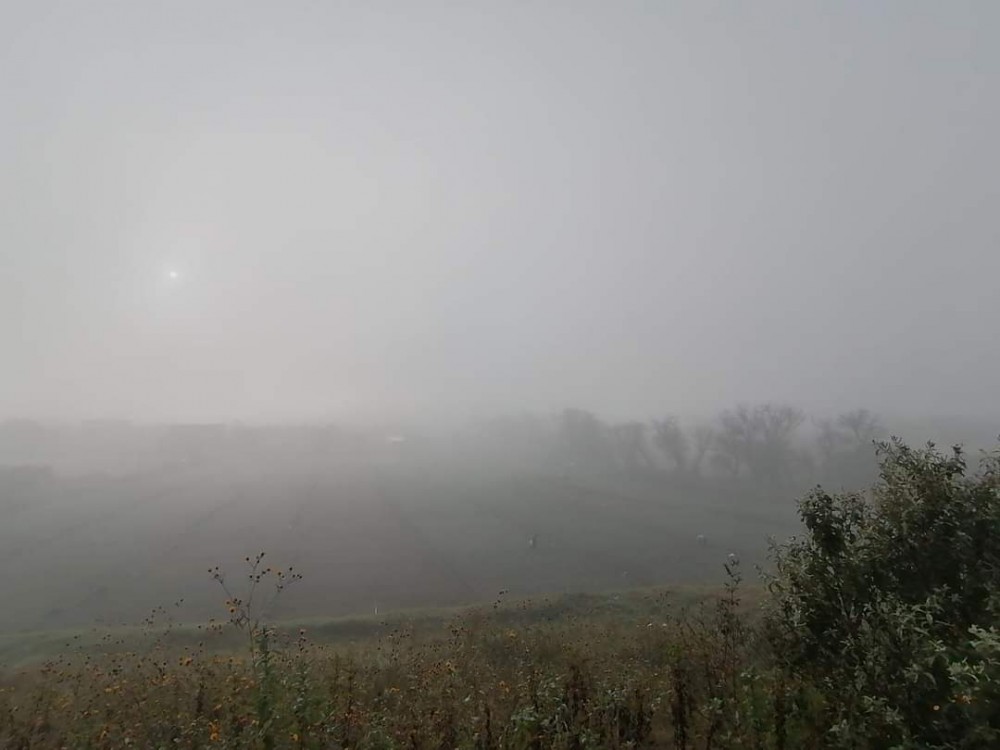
(306, 210)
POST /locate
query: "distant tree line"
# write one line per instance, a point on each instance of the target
(772, 445)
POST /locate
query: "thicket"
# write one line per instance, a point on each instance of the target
(878, 630)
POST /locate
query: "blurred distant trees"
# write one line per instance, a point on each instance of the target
(671, 440)
(766, 445)
(629, 440)
(585, 439)
(704, 440)
(844, 448)
(861, 426)
(759, 441)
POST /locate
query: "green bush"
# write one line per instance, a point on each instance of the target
(887, 603)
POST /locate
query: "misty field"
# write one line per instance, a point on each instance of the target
(876, 629)
(100, 549)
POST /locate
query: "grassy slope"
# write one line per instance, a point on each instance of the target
(27, 649)
(601, 671)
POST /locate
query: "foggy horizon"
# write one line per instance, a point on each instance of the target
(499, 375)
(243, 212)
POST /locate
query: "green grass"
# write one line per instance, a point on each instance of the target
(20, 650)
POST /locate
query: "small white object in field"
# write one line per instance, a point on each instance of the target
(702, 540)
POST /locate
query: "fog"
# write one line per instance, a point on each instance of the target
(102, 521)
(438, 299)
(238, 211)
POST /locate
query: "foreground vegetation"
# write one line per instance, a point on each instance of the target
(876, 631)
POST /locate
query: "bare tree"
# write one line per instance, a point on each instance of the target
(845, 448)
(829, 441)
(759, 439)
(671, 440)
(862, 426)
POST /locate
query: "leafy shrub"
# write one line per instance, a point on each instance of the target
(887, 601)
